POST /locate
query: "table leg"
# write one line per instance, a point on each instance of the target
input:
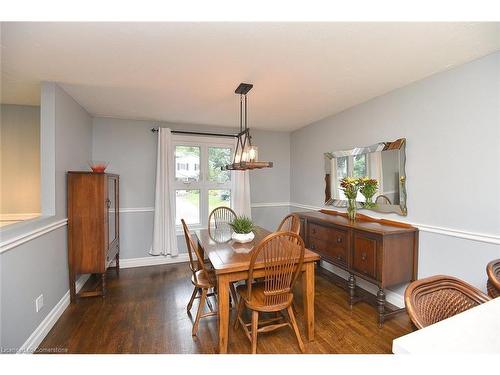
(223, 299)
(308, 292)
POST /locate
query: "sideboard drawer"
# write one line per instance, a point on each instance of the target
(365, 255)
(336, 254)
(319, 231)
(336, 236)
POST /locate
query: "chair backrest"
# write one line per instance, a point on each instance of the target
(282, 254)
(435, 298)
(290, 223)
(220, 218)
(493, 271)
(195, 259)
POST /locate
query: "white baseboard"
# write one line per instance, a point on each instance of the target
(391, 297)
(152, 260)
(52, 317)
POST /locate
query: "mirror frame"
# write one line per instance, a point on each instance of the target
(399, 144)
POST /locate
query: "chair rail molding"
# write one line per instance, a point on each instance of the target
(479, 237)
(31, 235)
(472, 236)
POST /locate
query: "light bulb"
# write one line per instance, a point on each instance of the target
(252, 153)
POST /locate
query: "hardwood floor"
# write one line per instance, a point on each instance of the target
(144, 311)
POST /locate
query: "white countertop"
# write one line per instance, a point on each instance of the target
(474, 331)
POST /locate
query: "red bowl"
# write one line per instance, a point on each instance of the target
(98, 166)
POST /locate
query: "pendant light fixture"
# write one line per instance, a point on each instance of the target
(246, 154)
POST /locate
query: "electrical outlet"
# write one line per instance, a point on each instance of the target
(39, 303)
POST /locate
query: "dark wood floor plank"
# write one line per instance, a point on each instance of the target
(144, 311)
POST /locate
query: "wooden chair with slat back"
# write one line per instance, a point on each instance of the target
(219, 226)
(493, 272)
(282, 254)
(435, 298)
(202, 279)
(220, 219)
(291, 223)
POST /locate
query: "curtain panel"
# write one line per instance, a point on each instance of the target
(164, 237)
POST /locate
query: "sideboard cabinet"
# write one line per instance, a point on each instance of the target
(380, 251)
(93, 227)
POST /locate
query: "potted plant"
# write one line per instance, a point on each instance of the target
(350, 186)
(368, 188)
(242, 227)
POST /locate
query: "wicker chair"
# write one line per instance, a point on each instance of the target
(202, 279)
(493, 271)
(290, 223)
(435, 298)
(282, 254)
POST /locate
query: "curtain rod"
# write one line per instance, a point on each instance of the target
(154, 130)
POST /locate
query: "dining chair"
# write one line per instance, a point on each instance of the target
(202, 279)
(291, 223)
(435, 298)
(493, 271)
(220, 219)
(282, 255)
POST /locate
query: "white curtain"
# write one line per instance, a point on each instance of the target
(164, 238)
(334, 183)
(375, 160)
(241, 193)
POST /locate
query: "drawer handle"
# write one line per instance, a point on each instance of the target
(339, 239)
(363, 256)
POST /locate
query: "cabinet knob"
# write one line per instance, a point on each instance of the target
(313, 247)
(313, 231)
(339, 239)
(363, 256)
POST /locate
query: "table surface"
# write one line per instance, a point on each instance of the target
(474, 331)
(227, 255)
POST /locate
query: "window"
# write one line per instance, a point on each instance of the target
(200, 184)
(355, 166)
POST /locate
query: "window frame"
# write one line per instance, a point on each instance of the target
(350, 173)
(203, 184)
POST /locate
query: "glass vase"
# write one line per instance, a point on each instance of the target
(351, 209)
(369, 202)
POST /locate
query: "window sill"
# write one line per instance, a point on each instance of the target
(192, 228)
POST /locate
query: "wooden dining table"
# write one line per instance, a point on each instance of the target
(231, 261)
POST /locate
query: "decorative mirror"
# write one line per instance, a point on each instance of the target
(383, 162)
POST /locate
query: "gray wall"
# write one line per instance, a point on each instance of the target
(130, 148)
(40, 265)
(451, 123)
(19, 159)
(271, 184)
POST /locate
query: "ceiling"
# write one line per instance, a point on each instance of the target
(187, 72)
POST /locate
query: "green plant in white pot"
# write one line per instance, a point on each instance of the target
(242, 227)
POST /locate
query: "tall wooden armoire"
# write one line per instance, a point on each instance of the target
(93, 227)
